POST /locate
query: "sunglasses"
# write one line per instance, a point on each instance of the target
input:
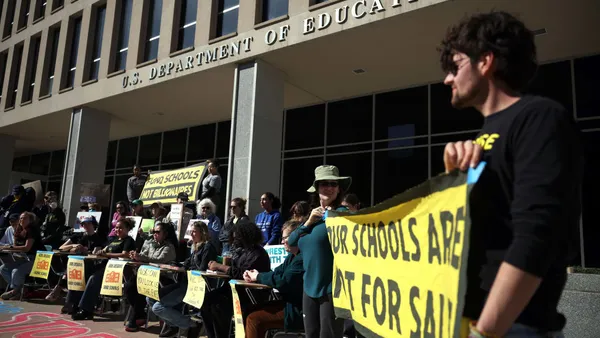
(232, 206)
(332, 184)
(153, 232)
(205, 208)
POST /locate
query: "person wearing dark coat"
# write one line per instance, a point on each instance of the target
(15, 203)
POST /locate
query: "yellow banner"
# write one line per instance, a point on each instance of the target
(148, 281)
(400, 267)
(41, 264)
(164, 186)
(112, 281)
(237, 312)
(76, 273)
(196, 289)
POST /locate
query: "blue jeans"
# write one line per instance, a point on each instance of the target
(523, 331)
(14, 273)
(87, 299)
(166, 308)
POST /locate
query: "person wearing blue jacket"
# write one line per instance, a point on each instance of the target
(270, 221)
(312, 239)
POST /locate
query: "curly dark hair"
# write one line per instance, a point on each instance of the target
(245, 234)
(170, 234)
(500, 34)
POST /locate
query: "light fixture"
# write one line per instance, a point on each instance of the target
(359, 71)
(538, 32)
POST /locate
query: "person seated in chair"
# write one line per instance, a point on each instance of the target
(159, 249)
(288, 280)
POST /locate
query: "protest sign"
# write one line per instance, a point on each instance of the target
(164, 186)
(83, 214)
(41, 264)
(196, 289)
(94, 193)
(277, 254)
(240, 332)
(76, 273)
(112, 281)
(400, 267)
(147, 224)
(39, 192)
(137, 221)
(147, 281)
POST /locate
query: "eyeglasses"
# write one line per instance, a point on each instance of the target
(332, 184)
(205, 208)
(154, 232)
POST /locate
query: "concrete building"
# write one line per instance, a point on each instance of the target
(272, 88)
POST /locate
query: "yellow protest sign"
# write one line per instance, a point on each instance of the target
(164, 186)
(76, 273)
(196, 289)
(400, 267)
(41, 264)
(147, 281)
(237, 312)
(112, 281)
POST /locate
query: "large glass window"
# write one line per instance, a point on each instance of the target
(187, 24)
(94, 58)
(57, 163)
(111, 155)
(15, 70)
(10, 18)
(401, 113)
(591, 185)
(227, 17)
(153, 30)
(554, 81)
(447, 119)
(201, 143)
(69, 71)
(23, 14)
(127, 152)
(150, 149)
(123, 42)
(298, 176)
(587, 73)
(224, 131)
(34, 52)
(40, 164)
(3, 62)
(399, 170)
(272, 9)
(350, 121)
(40, 9)
(50, 61)
(359, 167)
(21, 164)
(299, 121)
(173, 149)
(57, 4)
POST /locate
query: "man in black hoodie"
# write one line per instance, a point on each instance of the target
(15, 203)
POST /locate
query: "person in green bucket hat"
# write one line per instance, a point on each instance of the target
(311, 238)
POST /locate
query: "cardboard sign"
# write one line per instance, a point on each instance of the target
(147, 224)
(164, 186)
(76, 273)
(196, 289)
(39, 192)
(41, 264)
(83, 214)
(240, 331)
(148, 281)
(277, 254)
(95, 193)
(112, 281)
(138, 223)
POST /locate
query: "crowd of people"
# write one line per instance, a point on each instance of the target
(524, 210)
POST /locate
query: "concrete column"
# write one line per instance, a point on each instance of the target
(297, 7)
(203, 22)
(17, 15)
(7, 151)
(165, 43)
(85, 160)
(256, 133)
(247, 15)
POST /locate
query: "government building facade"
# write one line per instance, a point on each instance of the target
(272, 88)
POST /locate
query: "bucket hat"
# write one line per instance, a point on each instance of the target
(330, 173)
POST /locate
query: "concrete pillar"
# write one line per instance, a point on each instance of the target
(85, 160)
(7, 151)
(256, 133)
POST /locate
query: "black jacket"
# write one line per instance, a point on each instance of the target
(200, 258)
(247, 259)
(52, 228)
(226, 228)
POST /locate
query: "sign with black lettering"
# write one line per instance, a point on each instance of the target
(164, 186)
(400, 267)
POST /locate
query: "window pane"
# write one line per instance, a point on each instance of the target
(151, 49)
(53, 37)
(401, 113)
(350, 120)
(359, 167)
(587, 73)
(57, 163)
(154, 17)
(121, 61)
(94, 69)
(40, 164)
(447, 119)
(125, 23)
(55, 186)
(149, 149)
(298, 121)
(437, 160)
(298, 175)
(189, 9)
(591, 184)
(225, 4)
(274, 8)
(3, 70)
(174, 146)
(127, 152)
(75, 42)
(399, 170)
(111, 155)
(95, 56)
(224, 129)
(21, 164)
(186, 37)
(202, 142)
(227, 22)
(554, 81)
(120, 189)
(14, 76)
(34, 50)
(10, 14)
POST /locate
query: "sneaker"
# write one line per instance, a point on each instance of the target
(68, 308)
(14, 294)
(170, 333)
(54, 294)
(131, 327)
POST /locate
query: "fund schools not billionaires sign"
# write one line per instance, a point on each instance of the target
(400, 267)
(164, 186)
